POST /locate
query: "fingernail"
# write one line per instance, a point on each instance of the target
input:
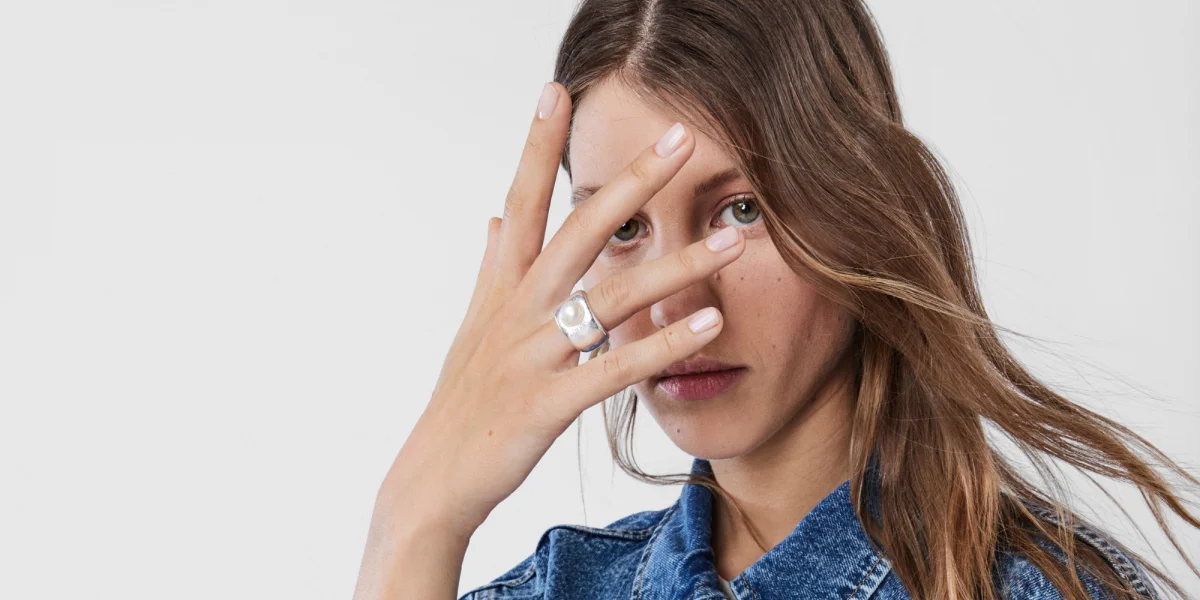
(722, 239)
(670, 141)
(548, 101)
(703, 320)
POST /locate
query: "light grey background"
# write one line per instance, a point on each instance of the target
(236, 239)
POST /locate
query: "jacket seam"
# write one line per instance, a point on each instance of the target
(616, 533)
(625, 534)
(511, 582)
(1123, 566)
(748, 586)
(866, 574)
(654, 537)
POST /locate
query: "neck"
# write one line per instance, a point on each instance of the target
(781, 480)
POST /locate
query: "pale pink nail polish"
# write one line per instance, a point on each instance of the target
(703, 320)
(548, 101)
(670, 141)
(722, 239)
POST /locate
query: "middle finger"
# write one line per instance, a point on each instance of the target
(618, 296)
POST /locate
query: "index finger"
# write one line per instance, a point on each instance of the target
(589, 227)
(523, 223)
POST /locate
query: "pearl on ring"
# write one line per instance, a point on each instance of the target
(576, 321)
(572, 314)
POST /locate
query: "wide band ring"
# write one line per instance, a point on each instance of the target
(576, 320)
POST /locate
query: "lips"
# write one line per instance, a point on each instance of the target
(698, 386)
(695, 364)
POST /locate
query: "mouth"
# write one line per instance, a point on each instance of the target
(699, 385)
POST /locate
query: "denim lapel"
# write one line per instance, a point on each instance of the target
(826, 557)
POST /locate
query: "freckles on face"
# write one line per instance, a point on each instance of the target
(778, 326)
(775, 324)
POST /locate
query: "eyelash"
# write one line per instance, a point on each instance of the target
(613, 248)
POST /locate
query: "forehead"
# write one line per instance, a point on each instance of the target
(611, 126)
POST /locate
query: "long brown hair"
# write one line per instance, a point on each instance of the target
(800, 94)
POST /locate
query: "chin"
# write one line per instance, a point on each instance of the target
(711, 447)
(714, 432)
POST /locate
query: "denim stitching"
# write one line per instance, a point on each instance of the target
(618, 533)
(697, 591)
(650, 547)
(1123, 562)
(515, 581)
(1124, 567)
(864, 578)
(628, 534)
(748, 586)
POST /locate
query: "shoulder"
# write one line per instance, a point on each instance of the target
(596, 556)
(1019, 578)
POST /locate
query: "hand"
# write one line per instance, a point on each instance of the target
(511, 382)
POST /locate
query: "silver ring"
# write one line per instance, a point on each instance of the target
(576, 320)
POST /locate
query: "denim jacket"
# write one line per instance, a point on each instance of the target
(666, 555)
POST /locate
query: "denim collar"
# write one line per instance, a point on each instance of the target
(826, 557)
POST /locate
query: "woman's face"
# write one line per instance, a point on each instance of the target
(776, 325)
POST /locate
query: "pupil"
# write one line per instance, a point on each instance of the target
(740, 207)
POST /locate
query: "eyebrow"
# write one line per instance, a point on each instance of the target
(711, 183)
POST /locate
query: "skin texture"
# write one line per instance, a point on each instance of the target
(511, 383)
(790, 412)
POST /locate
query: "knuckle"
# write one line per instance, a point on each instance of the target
(512, 202)
(614, 366)
(614, 291)
(671, 343)
(534, 143)
(687, 260)
(582, 218)
(641, 172)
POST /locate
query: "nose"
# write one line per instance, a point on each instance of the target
(697, 295)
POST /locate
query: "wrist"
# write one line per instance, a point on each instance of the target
(410, 555)
(412, 510)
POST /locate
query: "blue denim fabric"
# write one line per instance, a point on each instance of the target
(666, 555)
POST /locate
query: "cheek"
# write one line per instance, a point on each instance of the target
(765, 313)
(770, 308)
(760, 288)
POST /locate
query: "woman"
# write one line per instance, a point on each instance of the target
(783, 279)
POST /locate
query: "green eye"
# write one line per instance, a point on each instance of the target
(627, 231)
(744, 211)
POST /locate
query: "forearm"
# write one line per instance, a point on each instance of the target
(417, 558)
